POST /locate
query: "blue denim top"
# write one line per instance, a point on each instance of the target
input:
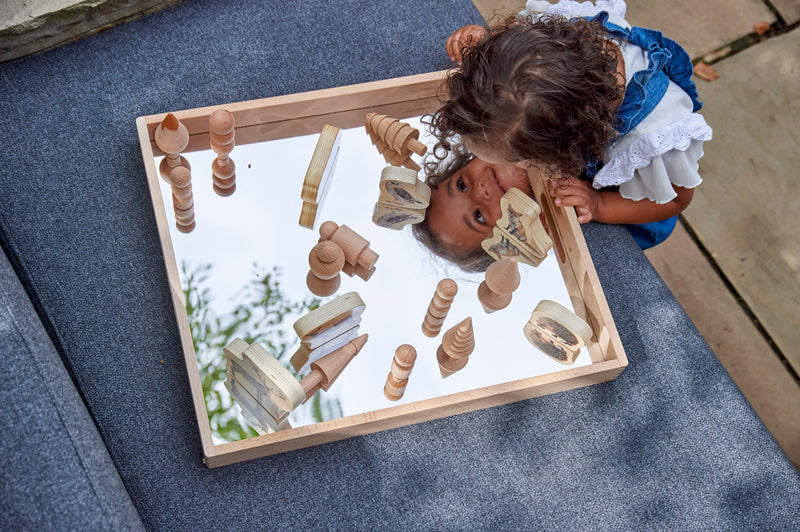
(667, 60)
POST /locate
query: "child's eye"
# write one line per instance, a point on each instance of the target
(461, 185)
(479, 217)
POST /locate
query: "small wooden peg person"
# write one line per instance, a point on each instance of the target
(457, 344)
(502, 278)
(325, 260)
(402, 364)
(171, 137)
(222, 131)
(182, 198)
(439, 306)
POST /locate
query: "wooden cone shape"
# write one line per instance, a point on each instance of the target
(459, 341)
(329, 367)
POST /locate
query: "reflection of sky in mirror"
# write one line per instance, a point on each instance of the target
(259, 224)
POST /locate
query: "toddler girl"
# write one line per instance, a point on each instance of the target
(575, 93)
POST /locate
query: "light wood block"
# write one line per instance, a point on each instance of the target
(393, 217)
(519, 233)
(263, 377)
(319, 174)
(329, 320)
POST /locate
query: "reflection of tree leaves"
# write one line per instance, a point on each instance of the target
(258, 316)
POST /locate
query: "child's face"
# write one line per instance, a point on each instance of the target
(464, 208)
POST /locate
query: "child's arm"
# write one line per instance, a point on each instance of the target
(610, 207)
(462, 37)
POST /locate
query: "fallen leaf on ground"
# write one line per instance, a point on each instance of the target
(761, 27)
(706, 72)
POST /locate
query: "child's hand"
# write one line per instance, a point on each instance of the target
(466, 36)
(572, 192)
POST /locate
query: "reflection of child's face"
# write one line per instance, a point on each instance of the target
(464, 207)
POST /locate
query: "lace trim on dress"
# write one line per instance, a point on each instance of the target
(566, 8)
(639, 153)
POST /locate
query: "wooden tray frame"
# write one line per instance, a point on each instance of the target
(345, 107)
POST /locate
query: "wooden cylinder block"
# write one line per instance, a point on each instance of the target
(355, 247)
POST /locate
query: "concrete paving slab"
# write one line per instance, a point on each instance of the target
(742, 350)
(789, 10)
(700, 27)
(745, 212)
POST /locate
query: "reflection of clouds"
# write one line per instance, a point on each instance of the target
(259, 224)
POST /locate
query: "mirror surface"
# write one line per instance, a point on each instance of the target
(248, 248)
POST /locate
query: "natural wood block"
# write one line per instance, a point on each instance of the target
(519, 233)
(400, 187)
(392, 217)
(400, 136)
(557, 331)
(319, 174)
(252, 412)
(329, 320)
(272, 386)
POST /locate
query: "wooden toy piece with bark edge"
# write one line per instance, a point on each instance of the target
(457, 344)
(402, 364)
(395, 140)
(264, 389)
(222, 132)
(501, 279)
(557, 331)
(171, 137)
(319, 174)
(439, 307)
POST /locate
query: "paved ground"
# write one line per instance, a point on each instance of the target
(734, 263)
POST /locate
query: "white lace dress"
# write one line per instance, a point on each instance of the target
(663, 149)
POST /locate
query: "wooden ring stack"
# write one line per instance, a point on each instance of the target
(221, 128)
(182, 198)
(402, 364)
(439, 307)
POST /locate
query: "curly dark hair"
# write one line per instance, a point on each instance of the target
(544, 91)
(438, 168)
